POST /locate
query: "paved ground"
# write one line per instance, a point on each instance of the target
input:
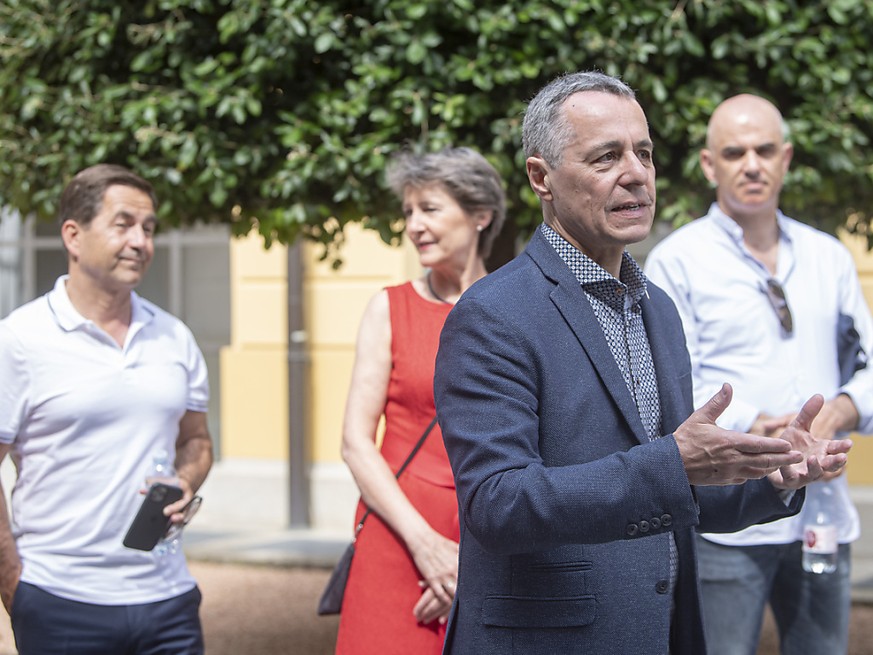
(284, 621)
(260, 587)
(251, 609)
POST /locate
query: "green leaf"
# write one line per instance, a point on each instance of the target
(324, 42)
(416, 52)
(289, 109)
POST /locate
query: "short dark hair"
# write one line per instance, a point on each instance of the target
(465, 174)
(82, 198)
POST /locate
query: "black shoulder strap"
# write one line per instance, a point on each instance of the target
(402, 468)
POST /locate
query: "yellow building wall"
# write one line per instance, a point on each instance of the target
(254, 367)
(334, 301)
(860, 469)
(254, 410)
(254, 372)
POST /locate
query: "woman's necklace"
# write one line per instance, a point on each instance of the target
(434, 293)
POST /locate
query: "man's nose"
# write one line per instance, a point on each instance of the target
(137, 237)
(634, 170)
(751, 163)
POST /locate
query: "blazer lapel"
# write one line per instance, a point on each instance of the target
(571, 302)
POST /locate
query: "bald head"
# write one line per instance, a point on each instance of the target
(746, 157)
(745, 110)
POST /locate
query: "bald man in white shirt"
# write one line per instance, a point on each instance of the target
(761, 297)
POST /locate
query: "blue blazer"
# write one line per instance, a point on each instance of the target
(565, 504)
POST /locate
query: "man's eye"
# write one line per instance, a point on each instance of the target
(608, 157)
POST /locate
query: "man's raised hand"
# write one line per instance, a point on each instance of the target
(715, 456)
(819, 455)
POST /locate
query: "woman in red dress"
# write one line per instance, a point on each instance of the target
(403, 575)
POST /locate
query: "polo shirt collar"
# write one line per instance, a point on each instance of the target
(69, 319)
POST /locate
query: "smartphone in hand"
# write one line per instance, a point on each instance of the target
(150, 525)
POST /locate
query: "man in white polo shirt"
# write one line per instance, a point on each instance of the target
(94, 382)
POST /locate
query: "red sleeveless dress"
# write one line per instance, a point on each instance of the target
(383, 586)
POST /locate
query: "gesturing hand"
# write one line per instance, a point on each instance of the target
(820, 455)
(715, 456)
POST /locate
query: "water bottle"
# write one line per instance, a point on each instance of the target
(162, 470)
(820, 532)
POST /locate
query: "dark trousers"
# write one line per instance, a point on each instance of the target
(47, 625)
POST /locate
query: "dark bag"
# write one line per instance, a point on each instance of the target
(331, 601)
(850, 353)
(332, 598)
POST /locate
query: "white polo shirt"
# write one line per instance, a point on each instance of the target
(84, 417)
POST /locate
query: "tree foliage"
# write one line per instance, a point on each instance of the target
(280, 114)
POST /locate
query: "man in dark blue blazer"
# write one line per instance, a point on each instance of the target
(563, 389)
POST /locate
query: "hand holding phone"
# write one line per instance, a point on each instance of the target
(150, 525)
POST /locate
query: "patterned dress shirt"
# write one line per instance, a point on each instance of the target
(616, 304)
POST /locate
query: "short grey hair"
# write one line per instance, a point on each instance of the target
(545, 131)
(465, 174)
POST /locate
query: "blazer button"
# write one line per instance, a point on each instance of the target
(666, 520)
(632, 530)
(656, 523)
(662, 587)
(644, 526)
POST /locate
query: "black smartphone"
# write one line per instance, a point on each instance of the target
(150, 524)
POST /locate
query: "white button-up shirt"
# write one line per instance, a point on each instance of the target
(734, 334)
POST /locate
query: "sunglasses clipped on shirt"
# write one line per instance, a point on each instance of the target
(776, 296)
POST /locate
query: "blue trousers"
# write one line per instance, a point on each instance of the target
(45, 624)
(811, 610)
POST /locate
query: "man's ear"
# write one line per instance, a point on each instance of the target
(787, 155)
(70, 232)
(538, 174)
(708, 166)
